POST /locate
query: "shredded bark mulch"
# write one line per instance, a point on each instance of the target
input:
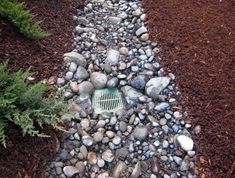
(197, 40)
(25, 156)
(45, 57)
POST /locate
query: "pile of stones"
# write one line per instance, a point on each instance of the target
(151, 136)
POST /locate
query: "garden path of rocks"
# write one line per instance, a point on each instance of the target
(149, 137)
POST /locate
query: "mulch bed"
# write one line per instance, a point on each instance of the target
(197, 40)
(26, 157)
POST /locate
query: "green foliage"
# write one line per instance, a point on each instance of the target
(16, 12)
(23, 104)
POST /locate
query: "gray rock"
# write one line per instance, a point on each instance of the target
(131, 95)
(99, 80)
(75, 57)
(73, 67)
(155, 85)
(86, 88)
(80, 166)
(63, 154)
(141, 31)
(119, 169)
(68, 76)
(138, 82)
(177, 159)
(122, 153)
(113, 82)
(107, 68)
(70, 171)
(136, 171)
(161, 107)
(115, 20)
(112, 57)
(123, 126)
(140, 132)
(81, 73)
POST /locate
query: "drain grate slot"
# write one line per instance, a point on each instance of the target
(107, 100)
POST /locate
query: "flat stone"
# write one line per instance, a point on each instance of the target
(185, 142)
(75, 57)
(80, 166)
(83, 151)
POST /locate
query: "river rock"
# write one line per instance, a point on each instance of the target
(155, 85)
(131, 95)
(112, 57)
(70, 171)
(185, 142)
(141, 31)
(138, 82)
(119, 169)
(98, 79)
(81, 73)
(140, 132)
(75, 57)
(86, 88)
(107, 155)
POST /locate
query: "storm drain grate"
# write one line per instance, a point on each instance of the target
(107, 100)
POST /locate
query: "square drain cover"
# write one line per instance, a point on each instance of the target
(107, 100)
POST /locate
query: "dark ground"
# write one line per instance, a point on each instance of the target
(26, 157)
(197, 40)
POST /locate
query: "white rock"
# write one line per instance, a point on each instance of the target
(113, 57)
(98, 136)
(185, 142)
(70, 171)
(117, 140)
(103, 175)
(99, 80)
(87, 140)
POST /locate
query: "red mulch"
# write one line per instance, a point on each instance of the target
(26, 157)
(197, 40)
(45, 57)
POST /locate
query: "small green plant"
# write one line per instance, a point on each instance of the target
(16, 12)
(24, 105)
